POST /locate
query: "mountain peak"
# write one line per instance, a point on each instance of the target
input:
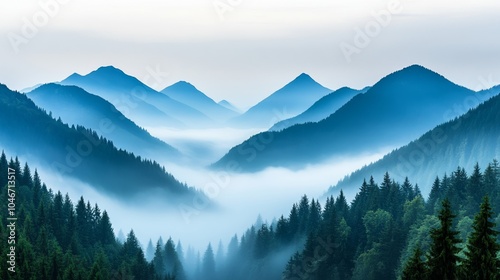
(302, 80)
(415, 74)
(183, 85)
(108, 70)
(303, 77)
(74, 76)
(416, 69)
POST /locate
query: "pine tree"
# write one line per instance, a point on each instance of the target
(208, 266)
(37, 188)
(220, 257)
(303, 212)
(415, 267)
(434, 196)
(262, 242)
(407, 188)
(442, 258)
(475, 191)
(173, 266)
(3, 170)
(341, 206)
(481, 256)
(457, 192)
(293, 223)
(158, 261)
(180, 251)
(150, 251)
(105, 230)
(314, 217)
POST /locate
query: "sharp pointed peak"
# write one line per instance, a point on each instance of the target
(303, 76)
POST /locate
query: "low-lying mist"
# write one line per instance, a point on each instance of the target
(204, 145)
(240, 197)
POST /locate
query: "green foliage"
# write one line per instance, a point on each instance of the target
(482, 247)
(442, 258)
(58, 240)
(415, 267)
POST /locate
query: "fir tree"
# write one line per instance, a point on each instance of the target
(442, 258)
(415, 267)
(434, 196)
(208, 266)
(481, 256)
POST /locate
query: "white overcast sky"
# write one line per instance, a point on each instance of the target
(256, 48)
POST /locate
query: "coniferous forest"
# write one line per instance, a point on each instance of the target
(249, 140)
(389, 231)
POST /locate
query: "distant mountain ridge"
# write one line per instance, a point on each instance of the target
(186, 93)
(230, 106)
(78, 107)
(80, 153)
(138, 101)
(472, 138)
(289, 101)
(322, 108)
(397, 109)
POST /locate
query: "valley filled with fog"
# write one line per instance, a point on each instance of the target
(239, 197)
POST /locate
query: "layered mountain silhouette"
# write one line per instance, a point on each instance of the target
(137, 101)
(397, 109)
(229, 106)
(322, 108)
(75, 106)
(289, 101)
(467, 140)
(80, 153)
(188, 94)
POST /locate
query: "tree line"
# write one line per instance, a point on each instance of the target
(388, 231)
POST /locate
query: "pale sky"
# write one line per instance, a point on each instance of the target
(251, 48)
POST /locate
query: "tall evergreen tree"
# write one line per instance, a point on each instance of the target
(457, 192)
(415, 267)
(407, 188)
(475, 191)
(208, 266)
(158, 261)
(442, 258)
(481, 256)
(434, 196)
(150, 251)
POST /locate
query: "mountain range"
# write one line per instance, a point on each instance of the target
(472, 138)
(229, 106)
(289, 101)
(75, 106)
(186, 93)
(322, 108)
(397, 109)
(80, 153)
(137, 101)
